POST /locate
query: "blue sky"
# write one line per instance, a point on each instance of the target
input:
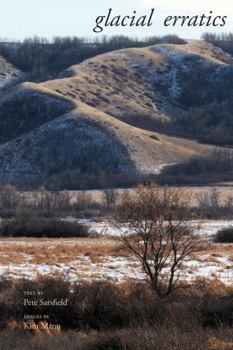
(24, 18)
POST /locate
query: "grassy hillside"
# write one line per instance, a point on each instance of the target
(162, 84)
(9, 75)
(116, 116)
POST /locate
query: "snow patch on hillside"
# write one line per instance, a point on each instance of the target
(9, 75)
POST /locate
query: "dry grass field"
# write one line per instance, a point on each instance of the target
(100, 258)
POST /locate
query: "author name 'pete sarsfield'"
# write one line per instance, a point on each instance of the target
(43, 302)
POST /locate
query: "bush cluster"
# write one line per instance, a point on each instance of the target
(101, 315)
(224, 236)
(28, 224)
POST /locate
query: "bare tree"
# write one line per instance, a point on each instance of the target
(162, 239)
(214, 199)
(84, 199)
(203, 201)
(110, 197)
(9, 197)
(229, 202)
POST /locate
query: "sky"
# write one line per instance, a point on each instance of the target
(49, 18)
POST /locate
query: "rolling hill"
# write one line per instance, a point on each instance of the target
(9, 75)
(117, 114)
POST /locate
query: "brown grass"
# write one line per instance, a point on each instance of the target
(53, 251)
(217, 344)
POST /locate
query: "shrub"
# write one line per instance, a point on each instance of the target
(109, 342)
(103, 315)
(26, 225)
(97, 305)
(213, 167)
(223, 40)
(224, 236)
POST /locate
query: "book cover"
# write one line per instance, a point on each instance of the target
(116, 175)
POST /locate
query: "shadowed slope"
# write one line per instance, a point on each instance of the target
(101, 115)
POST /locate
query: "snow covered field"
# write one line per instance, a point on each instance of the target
(206, 227)
(104, 257)
(120, 268)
